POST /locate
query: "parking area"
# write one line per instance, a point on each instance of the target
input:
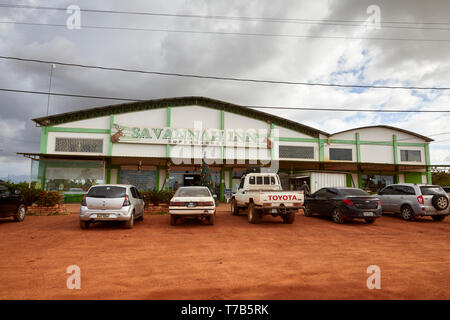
(310, 259)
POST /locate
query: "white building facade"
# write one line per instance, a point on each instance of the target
(160, 144)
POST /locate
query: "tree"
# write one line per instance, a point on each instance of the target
(205, 177)
(441, 177)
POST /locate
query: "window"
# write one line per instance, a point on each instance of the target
(295, 152)
(431, 190)
(341, 154)
(374, 183)
(353, 192)
(410, 155)
(266, 180)
(251, 180)
(78, 145)
(107, 192)
(387, 191)
(241, 185)
(259, 180)
(192, 192)
(134, 193)
(404, 190)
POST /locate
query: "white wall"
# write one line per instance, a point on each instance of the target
(377, 154)
(95, 123)
(185, 117)
(324, 179)
(156, 118)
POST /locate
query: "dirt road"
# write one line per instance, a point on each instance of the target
(311, 259)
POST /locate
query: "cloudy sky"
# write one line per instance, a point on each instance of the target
(315, 59)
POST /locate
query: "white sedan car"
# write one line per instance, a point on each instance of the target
(192, 202)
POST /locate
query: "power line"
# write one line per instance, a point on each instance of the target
(227, 33)
(220, 17)
(185, 75)
(248, 106)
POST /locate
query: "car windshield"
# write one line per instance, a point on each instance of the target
(107, 192)
(431, 190)
(192, 192)
(353, 192)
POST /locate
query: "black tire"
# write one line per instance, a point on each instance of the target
(440, 202)
(141, 217)
(129, 224)
(307, 211)
(289, 217)
(253, 215)
(173, 220)
(407, 213)
(211, 219)
(370, 220)
(337, 216)
(234, 208)
(21, 211)
(438, 218)
(84, 225)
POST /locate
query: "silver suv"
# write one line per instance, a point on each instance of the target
(413, 200)
(111, 202)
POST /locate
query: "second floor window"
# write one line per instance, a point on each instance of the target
(341, 154)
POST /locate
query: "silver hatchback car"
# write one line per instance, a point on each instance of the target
(413, 200)
(111, 202)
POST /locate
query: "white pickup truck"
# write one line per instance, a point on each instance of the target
(261, 193)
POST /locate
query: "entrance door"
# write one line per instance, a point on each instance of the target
(191, 180)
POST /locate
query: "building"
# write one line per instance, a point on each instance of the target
(160, 144)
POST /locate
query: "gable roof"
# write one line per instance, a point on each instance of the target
(176, 102)
(389, 127)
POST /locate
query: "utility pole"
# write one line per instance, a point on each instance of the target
(52, 66)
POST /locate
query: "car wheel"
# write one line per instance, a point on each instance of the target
(173, 219)
(211, 219)
(337, 216)
(84, 225)
(130, 223)
(20, 213)
(253, 216)
(370, 220)
(407, 213)
(307, 210)
(289, 217)
(141, 217)
(440, 202)
(438, 218)
(234, 208)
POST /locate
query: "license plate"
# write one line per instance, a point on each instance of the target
(274, 210)
(368, 214)
(103, 215)
(191, 205)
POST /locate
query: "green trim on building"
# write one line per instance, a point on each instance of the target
(360, 185)
(44, 140)
(78, 130)
(358, 148)
(222, 127)
(428, 161)
(394, 145)
(321, 150)
(272, 128)
(158, 171)
(222, 184)
(413, 177)
(110, 144)
(169, 122)
(348, 180)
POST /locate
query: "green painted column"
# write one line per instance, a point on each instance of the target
(157, 178)
(44, 140)
(395, 146)
(358, 148)
(169, 124)
(110, 144)
(222, 127)
(321, 150)
(230, 183)
(272, 128)
(41, 174)
(428, 162)
(222, 184)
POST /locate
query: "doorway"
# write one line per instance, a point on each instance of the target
(191, 180)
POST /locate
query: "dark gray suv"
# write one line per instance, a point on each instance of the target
(413, 200)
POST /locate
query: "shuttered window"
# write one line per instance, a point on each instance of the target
(340, 154)
(79, 145)
(296, 152)
(410, 155)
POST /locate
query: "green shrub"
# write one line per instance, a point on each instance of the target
(49, 198)
(157, 197)
(30, 195)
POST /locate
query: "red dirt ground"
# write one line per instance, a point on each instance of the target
(311, 259)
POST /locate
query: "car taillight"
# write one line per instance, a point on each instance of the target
(176, 204)
(126, 202)
(420, 199)
(348, 202)
(205, 203)
(83, 202)
(379, 202)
